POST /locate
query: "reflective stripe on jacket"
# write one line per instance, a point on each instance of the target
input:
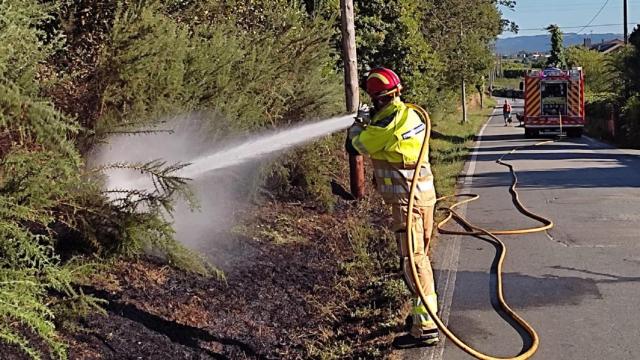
(393, 182)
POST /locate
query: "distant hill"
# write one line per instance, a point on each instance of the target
(541, 43)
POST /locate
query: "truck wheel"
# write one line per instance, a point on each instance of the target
(529, 133)
(574, 133)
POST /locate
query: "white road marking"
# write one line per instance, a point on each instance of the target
(468, 176)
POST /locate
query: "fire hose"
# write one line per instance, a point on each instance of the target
(473, 230)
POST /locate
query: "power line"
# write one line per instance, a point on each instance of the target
(595, 16)
(568, 5)
(578, 27)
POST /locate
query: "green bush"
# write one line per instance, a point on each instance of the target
(267, 70)
(630, 121)
(142, 67)
(595, 66)
(306, 174)
(32, 185)
(514, 65)
(38, 172)
(615, 77)
(156, 64)
(277, 78)
(514, 73)
(46, 198)
(598, 111)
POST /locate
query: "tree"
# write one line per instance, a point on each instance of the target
(462, 33)
(595, 65)
(622, 74)
(480, 86)
(508, 25)
(557, 48)
(433, 45)
(632, 61)
(629, 66)
(388, 34)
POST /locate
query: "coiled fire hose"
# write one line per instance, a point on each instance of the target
(473, 230)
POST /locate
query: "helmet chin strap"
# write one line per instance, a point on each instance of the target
(381, 99)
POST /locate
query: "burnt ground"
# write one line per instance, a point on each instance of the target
(305, 285)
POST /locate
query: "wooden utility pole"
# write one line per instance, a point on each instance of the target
(464, 101)
(352, 92)
(626, 21)
(464, 84)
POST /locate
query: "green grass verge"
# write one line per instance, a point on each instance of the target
(451, 142)
(507, 83)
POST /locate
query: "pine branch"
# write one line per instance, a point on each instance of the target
(138, 132)
(166, 185)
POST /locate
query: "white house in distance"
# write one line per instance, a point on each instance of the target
(605, 47)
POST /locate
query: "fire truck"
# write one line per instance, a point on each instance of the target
(554, 101)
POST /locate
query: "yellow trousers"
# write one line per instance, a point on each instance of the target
(421, 235)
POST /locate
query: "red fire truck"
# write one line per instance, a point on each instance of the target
(554, 101)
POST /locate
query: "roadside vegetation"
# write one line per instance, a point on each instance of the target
(507, 76)
(451, 143)
(507, 83)
(612, 91)
(317, 274)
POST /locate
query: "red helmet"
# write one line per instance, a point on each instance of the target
(383, 82)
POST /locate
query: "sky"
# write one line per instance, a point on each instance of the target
(571, 16)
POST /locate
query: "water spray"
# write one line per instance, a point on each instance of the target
(220, 171)
(252, 148)
(263, 145)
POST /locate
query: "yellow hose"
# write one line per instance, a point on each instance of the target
(472, 230)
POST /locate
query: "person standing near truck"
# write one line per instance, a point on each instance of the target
(506, 112)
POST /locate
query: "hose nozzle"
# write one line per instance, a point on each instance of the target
(363, 117)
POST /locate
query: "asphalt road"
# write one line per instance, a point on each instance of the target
(579, 283)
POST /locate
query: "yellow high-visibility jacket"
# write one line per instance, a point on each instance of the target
(393, 140)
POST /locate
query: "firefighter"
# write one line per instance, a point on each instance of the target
(393, 139)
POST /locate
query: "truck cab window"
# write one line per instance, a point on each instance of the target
(554, 98)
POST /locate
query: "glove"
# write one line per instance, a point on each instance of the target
(348, 146)
(364, 115)
(352, 132)
(355, 130)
